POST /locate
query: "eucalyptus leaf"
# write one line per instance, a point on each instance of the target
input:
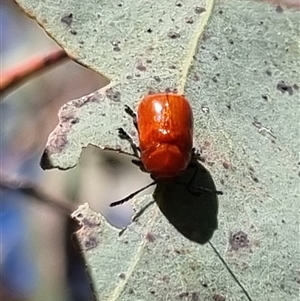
(238, 63)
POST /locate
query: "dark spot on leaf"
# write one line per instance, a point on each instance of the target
(148, 61)
(269, 73)
(113, 95)
(189, 20)
(90, 242)
(226, 165)
(157, 78)
(265, 97)
(165, 278)
(120, 4)
(297, 278)
(67, 19)
(74, 120)
(150, 237)
(171, 90)
(279, 9)
(90, 222)
(253, 177)
(141, 67)
(73, 32)
(214, 79)
(239, 240)
(122, 276)
(152, 291)
(283, 87)
(199, 10)
(183, 294)
(149, 30)
(218, 297)
(296, 87)
(195, 296)
(173, 35)
(178, 3)
(231, 41)
(228, 106)
(115, 43)
(131, 291)
(196, 77)
(220, 12)
(204, 284)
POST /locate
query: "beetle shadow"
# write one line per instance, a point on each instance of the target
(193, 214)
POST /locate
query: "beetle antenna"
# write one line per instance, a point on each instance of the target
(230, 271)
(130, 196)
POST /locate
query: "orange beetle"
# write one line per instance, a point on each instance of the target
(165, 126)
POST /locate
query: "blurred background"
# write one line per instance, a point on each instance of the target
(38, 258)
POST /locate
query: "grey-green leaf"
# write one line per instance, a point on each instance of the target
(238, 64)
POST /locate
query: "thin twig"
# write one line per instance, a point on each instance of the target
(17, 74)
(31, 189)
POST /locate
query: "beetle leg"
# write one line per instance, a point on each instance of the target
(140, 164)
(132, 114)
(130, 196)
(125, 136)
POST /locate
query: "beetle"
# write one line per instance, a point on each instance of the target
(165, 128)
(164, 122)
